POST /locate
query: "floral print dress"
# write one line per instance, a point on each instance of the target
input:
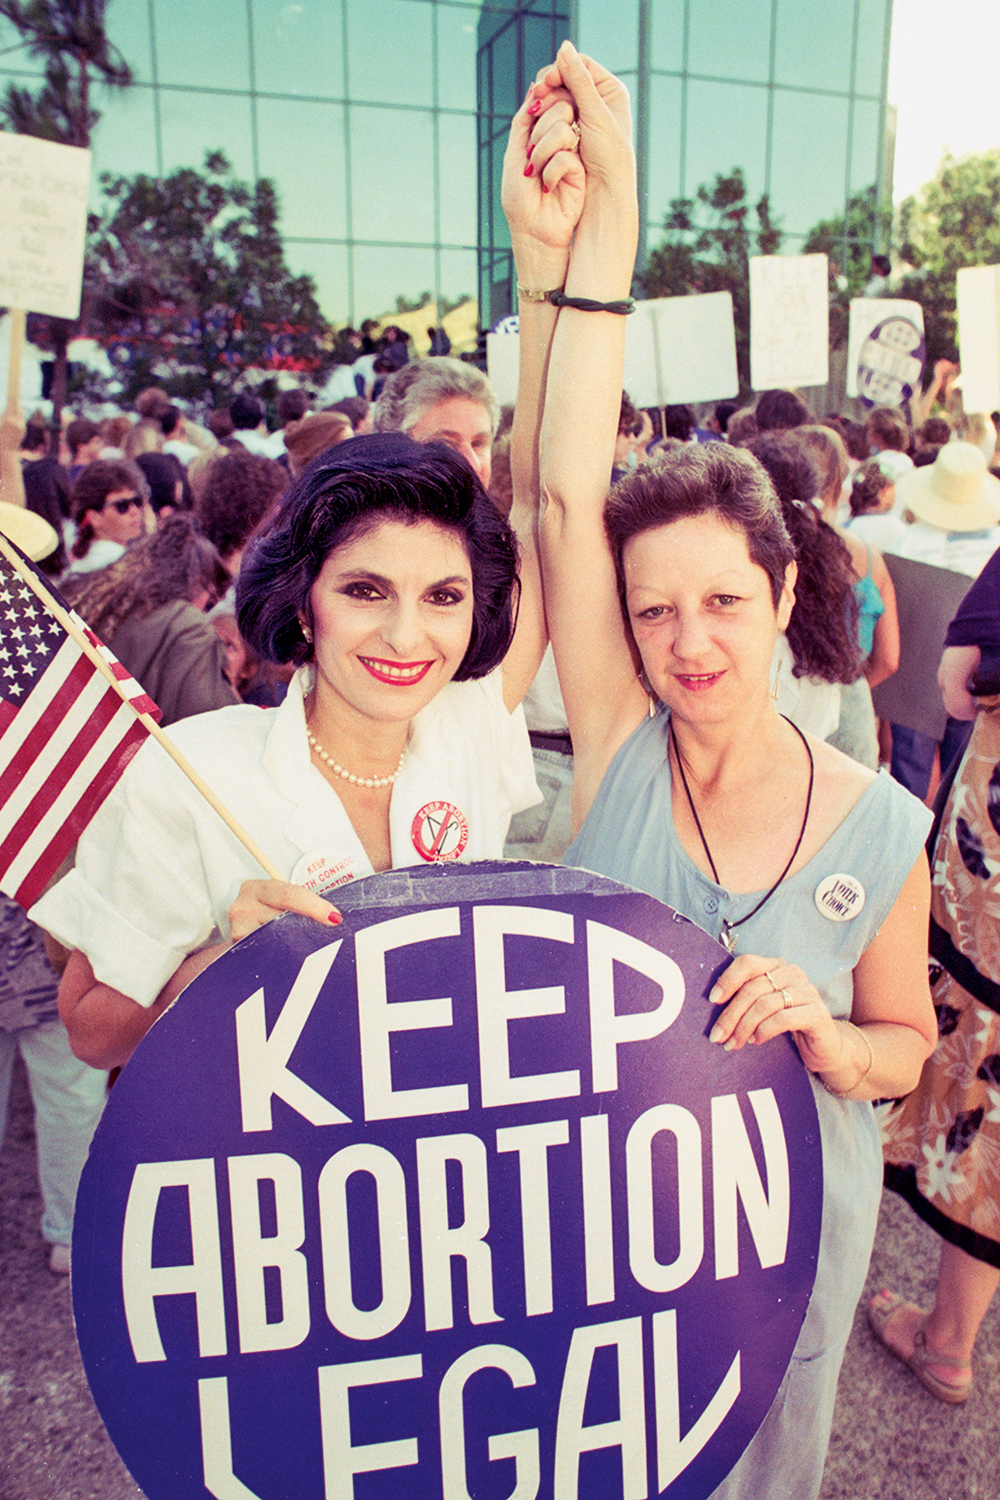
(942, 1143)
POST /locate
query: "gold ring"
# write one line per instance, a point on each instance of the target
(770, 979)
(574, 125)
(786, 997)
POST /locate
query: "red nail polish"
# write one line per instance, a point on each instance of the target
(534, 109)
(335, 917)
(530, 149)
(529, 170)
(544, 188)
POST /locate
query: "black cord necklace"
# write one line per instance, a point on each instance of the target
(728, 934)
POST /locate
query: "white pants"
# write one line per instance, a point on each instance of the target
(68, 1097)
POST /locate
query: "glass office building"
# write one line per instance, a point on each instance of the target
(791, 91)
(383, 122)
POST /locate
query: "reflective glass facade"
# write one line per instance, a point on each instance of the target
(791, 91)
(363, 112)
(383, 122)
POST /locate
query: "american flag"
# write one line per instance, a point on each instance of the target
(66, 736)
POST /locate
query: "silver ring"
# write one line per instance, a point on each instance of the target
(770, 979)
(786, 997)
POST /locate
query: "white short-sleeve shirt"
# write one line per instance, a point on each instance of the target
(157, 869)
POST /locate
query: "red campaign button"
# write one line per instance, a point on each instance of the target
(439, 831)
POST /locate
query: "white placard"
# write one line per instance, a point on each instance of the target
(979, 336)
(866, 314)
(677, 349)
(502, 365)
(681, 349)
(789, 321)
(43, 224)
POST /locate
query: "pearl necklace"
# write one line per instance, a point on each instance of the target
(370, 781)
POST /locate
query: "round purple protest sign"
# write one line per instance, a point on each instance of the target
(456, 1199)
(891, 362)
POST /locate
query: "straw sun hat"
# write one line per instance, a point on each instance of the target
(956, 492)
(32, 533)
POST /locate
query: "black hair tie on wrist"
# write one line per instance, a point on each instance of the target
(585, 304)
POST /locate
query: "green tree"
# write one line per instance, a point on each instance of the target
(953, 221)
(413, 304)
(709, 240)
(188, 285)
(849, 240)
(70, 38)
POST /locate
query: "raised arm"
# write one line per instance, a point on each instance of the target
(542, 198)
(11, 478)
(597, 671)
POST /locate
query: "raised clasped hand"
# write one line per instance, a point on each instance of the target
(762, 998)
(260, 901)
(602, 109)
(543, 177)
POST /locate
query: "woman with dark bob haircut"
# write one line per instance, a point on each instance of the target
(666, 602)
(344, 493)
(390, 581)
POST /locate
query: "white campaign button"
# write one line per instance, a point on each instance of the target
(840, 897)
(322, 872)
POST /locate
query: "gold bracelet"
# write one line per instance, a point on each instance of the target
(846, 1093)
(528, 294)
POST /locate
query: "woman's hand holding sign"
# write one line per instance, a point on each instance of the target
(765, 997)
(260, 901)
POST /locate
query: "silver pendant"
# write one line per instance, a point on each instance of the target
(727, 937)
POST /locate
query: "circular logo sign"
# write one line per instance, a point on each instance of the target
(840, 897)
(891, 362)
(439, 831)
(460, 1201)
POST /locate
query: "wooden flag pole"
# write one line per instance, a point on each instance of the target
(11, 479)
(17, 322)
(70, 626)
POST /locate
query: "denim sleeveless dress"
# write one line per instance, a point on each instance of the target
(629, 836)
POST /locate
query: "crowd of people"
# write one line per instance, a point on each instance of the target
(695, 652)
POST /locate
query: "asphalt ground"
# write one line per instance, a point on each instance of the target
(891, 1438)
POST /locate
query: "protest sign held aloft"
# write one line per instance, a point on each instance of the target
(458, 1201)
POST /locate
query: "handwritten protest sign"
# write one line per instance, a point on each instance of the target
(681, 349)
(885, 349)
(677, 349)
(458, 1200)
(789, 321)
(502, 364)
(979, 336)
(43, 222)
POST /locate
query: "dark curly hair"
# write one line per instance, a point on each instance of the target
(823, 629)
(347, 491)
(240, 489)
(869, 484)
